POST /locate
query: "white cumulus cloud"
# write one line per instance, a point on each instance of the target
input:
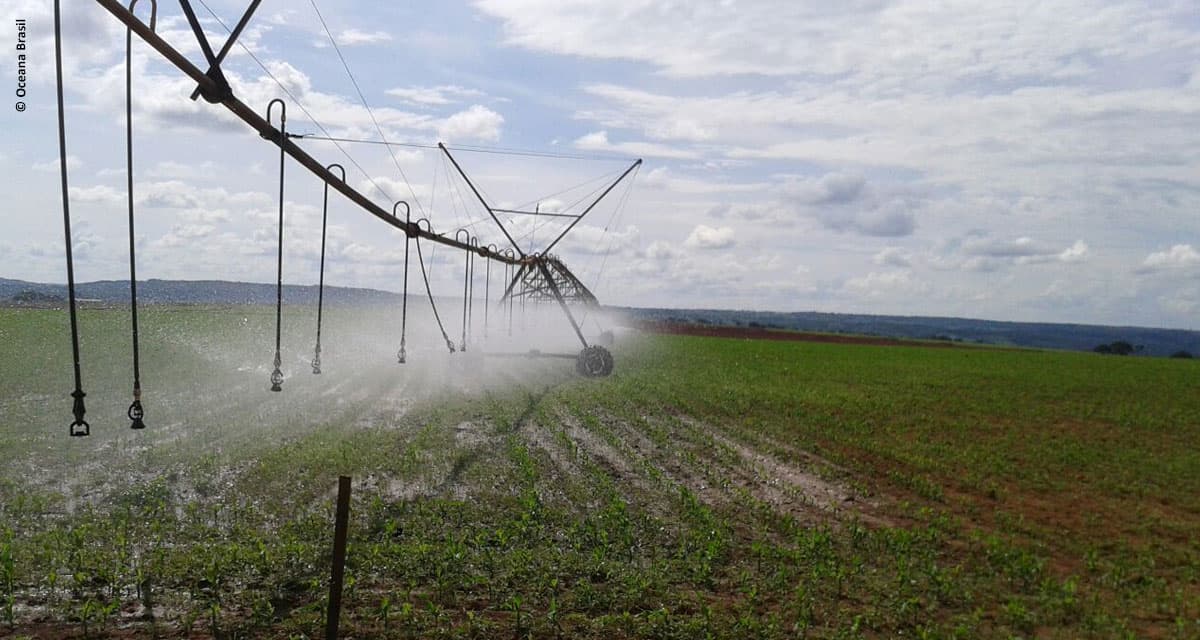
(706, 237)
(476, 123)
(1180, 255)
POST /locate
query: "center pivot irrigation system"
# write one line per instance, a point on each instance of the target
(538, 276)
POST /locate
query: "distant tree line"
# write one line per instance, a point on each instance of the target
(1123, 348)
(1118, 348)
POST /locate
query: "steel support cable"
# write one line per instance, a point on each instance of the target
(456, 199)
(432, 209)
(452, 192)
(277, 375)
(433, 191)
(136, 412)
(585, 183)
(316, 361)
(429, 292)
(366, 106)
(298, 103)
(415, 145)
(79, 427)
(401, 354)
(258, 123)
(586, 196)
(538, 226)
(463, 201)
(550, 217)
(613, 220)
(503, 151)
(533, 153)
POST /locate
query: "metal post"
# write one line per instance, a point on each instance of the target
(333, 615)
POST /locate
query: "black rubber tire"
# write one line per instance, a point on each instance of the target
(594, 362)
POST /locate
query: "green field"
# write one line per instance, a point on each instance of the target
(709, 488)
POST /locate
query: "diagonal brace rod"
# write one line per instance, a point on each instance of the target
(595, 202)
(562, 303)
(491, 212)
(237, 31)
(214, 66)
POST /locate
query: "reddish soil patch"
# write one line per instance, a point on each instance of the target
(756, 333)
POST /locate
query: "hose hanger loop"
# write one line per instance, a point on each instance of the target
(402, 356)
(277, 374)
(489, 250)
(464, 236)
(153, 11)
(316, 361)
(136, 413)
(79, 427)
(510, 276)
(339, 167)
(282, 133)
(406, 209)
(471, 279)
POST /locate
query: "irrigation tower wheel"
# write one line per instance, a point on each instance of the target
(594, 362)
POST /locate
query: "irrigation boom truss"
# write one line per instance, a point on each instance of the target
(213, 87)
(539, 275)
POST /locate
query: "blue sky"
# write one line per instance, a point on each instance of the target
(1019, 160)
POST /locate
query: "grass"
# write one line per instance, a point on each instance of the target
(709, 488)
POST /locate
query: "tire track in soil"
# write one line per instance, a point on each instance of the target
(780, 483)
(717, 469)
(629, 471)
(663, 468)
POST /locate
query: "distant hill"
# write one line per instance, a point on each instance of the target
(1154, 342)
(193, 292)
(1040, 335)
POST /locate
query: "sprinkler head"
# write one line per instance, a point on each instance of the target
(276, 380)
(136, 413)
(400, 355)
(79, 427)
(316, 365)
